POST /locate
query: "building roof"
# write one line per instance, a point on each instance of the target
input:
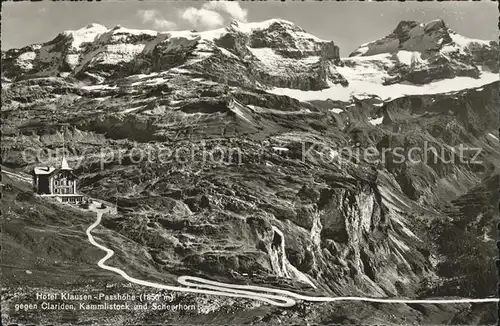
(44, 170)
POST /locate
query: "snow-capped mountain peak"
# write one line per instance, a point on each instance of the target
(425, 38)
(266, 24)
(94, 25)
(421, 52)
(85, 34)
(415, 58)
(409, 36)
(276, 48)
(276, 55)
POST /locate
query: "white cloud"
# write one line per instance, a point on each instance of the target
(210, 15)
(156, 18)
(147, 15)
(202, 18)
(232, 8)
(164, 24)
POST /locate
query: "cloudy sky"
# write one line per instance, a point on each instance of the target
(349, 24)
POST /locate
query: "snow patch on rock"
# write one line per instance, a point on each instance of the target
(376, 121)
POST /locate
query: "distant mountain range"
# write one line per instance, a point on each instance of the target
(268, 55)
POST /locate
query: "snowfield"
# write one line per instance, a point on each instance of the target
(363, 84)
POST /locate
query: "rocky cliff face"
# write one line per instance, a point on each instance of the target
(249, 122)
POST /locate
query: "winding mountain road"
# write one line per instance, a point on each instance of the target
(277, 297)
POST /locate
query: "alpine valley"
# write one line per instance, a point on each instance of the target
(280, 203)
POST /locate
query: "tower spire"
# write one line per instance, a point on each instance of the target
(64, 142)
(64, 162)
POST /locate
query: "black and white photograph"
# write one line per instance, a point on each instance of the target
(249, 163)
